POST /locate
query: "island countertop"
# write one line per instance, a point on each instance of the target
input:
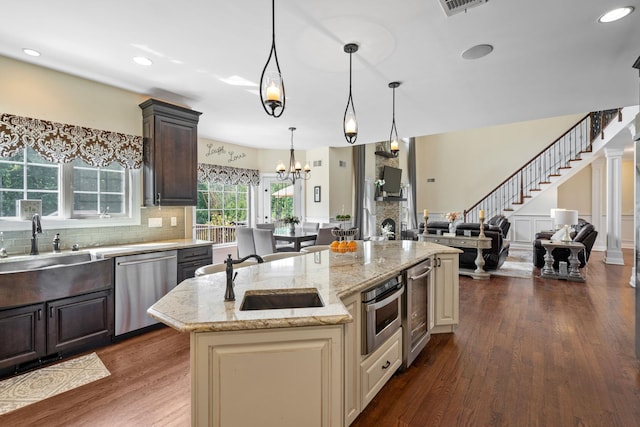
(197, 304)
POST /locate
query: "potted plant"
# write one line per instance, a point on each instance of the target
(291, 221)
(379, 183)
(343, 218)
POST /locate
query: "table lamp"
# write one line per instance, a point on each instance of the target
(555, 224)
(566, 218)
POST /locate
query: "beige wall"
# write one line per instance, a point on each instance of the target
(225, 154)
(41, 93)
(468, 164)
(340, 181)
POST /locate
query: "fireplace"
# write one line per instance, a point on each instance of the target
(391, 224)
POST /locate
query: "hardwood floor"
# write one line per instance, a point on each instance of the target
(528, 352)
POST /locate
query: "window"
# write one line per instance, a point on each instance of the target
(220, 204)
(93, 191)
(98, 190)
(27, 176)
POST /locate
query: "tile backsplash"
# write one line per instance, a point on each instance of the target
(19, 242)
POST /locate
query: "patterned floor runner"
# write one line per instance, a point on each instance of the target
(22, 390)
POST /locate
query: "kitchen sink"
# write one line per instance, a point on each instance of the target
(42, 261)
(281, 298)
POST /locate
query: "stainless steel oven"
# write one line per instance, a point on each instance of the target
(416, 320)
(381, 313)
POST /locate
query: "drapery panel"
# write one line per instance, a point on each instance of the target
(62, 143)
(216, 174)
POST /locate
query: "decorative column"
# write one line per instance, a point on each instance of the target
(614, 206)
(598, 193)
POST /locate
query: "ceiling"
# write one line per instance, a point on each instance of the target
(550, 58)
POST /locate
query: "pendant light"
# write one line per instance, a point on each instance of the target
(272, 94)
(295, 169)
(349, 123)
(393, 136)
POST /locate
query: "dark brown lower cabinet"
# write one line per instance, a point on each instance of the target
(189, 260)
(79, 321)
(22, 334)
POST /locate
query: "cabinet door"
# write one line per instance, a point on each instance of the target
(188, 269)
(446, 292)
(170, 154)
(22, 334)
(352, 360)
(269, 377)
(175, 165)
(190, 259)
(76, 321)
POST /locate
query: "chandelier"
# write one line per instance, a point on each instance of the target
(295, 169)
(393, 136)
(272, 95)
(350, 124)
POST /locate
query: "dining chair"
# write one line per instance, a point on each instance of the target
(310, 227)
(244, 241)
(324, 236)
(263, 241)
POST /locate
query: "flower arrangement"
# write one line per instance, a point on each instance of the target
(343, 217)
(291, 220)
(379, 183)
(451, 216)
(386, 231)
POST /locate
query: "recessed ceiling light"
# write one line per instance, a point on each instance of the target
(31, 52)
(477, 51)
(615, 14)
(237, 81)
(141, 60)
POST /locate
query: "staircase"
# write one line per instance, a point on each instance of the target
(554, 164)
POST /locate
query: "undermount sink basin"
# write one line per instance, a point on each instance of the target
(42, 261)
(281, 298)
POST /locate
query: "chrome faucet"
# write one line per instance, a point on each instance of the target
(36, 227)
(229, 295)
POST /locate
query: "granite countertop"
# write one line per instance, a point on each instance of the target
(197, 305)
(100, 252)
(141, 248)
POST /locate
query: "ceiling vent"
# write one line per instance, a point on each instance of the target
(452, 7)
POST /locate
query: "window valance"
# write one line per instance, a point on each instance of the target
(216, 174)
(62, 143)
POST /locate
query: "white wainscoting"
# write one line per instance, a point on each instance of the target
(524, 228)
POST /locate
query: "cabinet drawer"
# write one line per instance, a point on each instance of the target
(376, 369)
(196, 253)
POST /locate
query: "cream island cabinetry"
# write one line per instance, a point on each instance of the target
(295, 366)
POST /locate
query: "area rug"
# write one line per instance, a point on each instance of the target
(31, 387)
(519, 263)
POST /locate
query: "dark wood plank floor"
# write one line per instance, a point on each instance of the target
(528, 352)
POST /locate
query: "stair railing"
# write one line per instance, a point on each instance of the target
(543, 166)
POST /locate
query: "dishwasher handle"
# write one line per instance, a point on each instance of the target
(148, 260)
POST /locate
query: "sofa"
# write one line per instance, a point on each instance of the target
(496, 229)
(584, 233)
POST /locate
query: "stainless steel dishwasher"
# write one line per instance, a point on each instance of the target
(141, 280)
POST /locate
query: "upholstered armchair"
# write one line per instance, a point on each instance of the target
(584, 233)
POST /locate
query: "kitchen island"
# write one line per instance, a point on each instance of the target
(288, 366)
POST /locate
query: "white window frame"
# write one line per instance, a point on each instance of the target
(66, 220)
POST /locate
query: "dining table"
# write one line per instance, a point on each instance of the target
(296, 237)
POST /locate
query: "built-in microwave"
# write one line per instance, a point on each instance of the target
(381, 313)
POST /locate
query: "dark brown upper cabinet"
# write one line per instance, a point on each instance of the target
(170, 154)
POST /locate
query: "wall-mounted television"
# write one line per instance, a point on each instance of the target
(392, 179)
